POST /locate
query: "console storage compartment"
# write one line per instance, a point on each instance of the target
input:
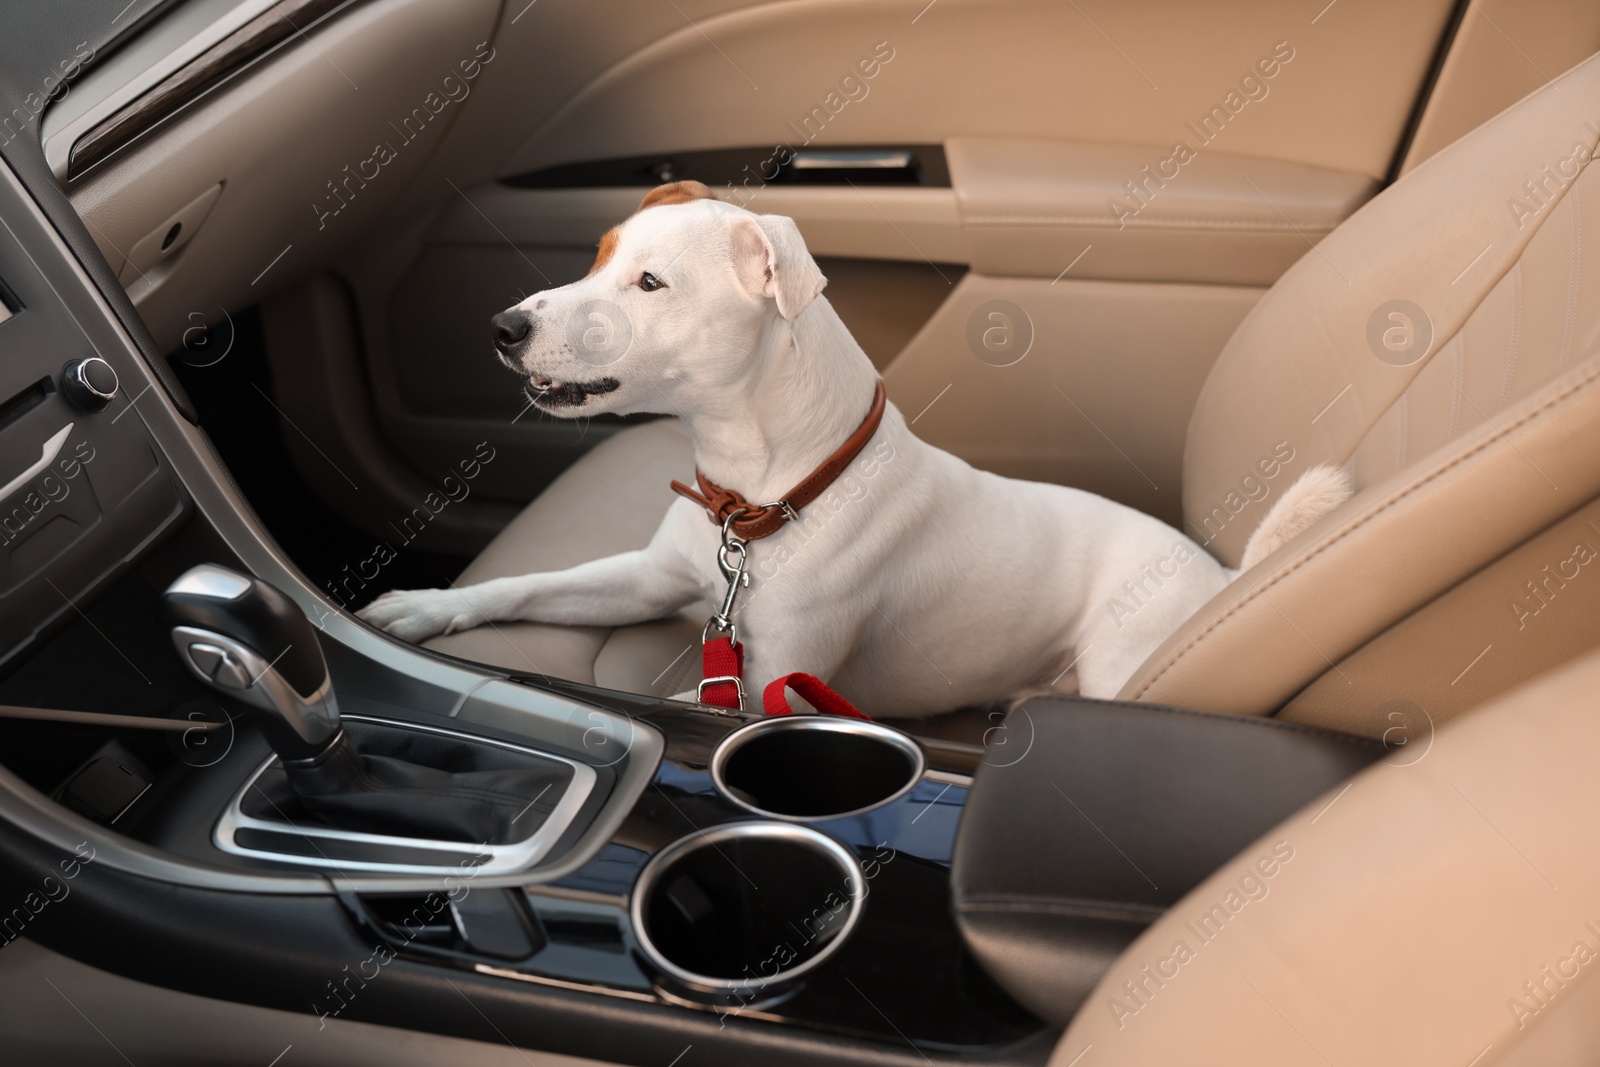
(1096, 817)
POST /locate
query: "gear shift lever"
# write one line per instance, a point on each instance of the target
(249, 640)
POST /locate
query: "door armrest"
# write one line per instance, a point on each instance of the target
(1181, 213)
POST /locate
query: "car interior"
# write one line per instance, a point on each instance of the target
(1172, 252)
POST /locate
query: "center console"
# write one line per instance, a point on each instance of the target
(806, 873)
(792, 870)
(825, 908)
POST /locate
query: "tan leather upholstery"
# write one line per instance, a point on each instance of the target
(610, 501)
(1392, 549)
(1444, 239)
(1458, 457)
(1532, 610)
(1102, 346)
(1439, 910)
(1217, 218)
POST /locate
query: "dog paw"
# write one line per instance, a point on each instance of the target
(418, 614)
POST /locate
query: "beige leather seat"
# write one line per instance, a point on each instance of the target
(1441, 912)
(1473, 441)
(610, 501)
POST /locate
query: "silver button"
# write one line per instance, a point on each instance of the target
(206, 658)
(219, 665)
(231, 674)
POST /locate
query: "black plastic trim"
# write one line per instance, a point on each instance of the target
(1447, 40)
(744, 169)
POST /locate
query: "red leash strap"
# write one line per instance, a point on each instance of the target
(722, 667)
(814, 689)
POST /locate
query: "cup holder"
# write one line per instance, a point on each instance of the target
(815, 767)
(744, 906)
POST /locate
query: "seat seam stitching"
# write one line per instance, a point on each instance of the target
(1459, 374)
(1574, 270)
(1515, 340)
(1405, 430)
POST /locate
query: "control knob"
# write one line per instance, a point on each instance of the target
(90, 383)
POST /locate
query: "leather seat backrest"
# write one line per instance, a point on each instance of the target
(1441, 344)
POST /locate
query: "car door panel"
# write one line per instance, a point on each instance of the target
(1290, 125)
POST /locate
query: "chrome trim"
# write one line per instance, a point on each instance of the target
(720, 679)
(78, 372)
(845, 159)
(841, 856)
(948, 778)
(129, 805)
(887, 734)
(503, 859)
(210, 580)
(47, 455)
(314, 718)
(557, 983)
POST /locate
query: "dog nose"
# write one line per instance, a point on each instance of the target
(511, 328)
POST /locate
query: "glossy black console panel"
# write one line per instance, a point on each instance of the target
(1106, 815)
(901, 973)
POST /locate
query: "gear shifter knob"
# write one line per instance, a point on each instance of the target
(247, 639)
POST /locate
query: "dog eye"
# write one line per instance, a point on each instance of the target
(650, 283)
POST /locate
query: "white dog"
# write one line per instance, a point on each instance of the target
(941, 587)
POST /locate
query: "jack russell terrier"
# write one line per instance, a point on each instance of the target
(943, 587)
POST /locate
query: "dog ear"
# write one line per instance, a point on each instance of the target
(676, 193)
(770, 258)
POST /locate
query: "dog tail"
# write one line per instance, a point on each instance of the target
(1317, 492)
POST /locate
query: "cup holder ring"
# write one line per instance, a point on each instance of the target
(814, 767)
(832, 868)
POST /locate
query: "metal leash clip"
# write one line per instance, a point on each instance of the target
(732, 556)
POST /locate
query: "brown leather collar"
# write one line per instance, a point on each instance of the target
(762, 520)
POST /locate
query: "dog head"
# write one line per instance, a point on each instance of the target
(682, 295)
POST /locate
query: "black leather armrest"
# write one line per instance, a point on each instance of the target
(1095, 817)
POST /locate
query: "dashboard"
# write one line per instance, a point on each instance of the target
(83, 489)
